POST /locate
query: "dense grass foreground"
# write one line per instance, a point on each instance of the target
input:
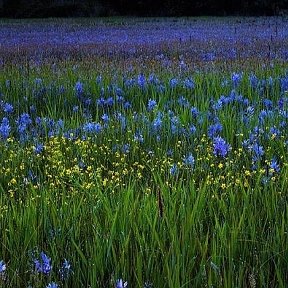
(199, 238)
(175, 180)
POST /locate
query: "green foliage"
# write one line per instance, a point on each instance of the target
(183, 232)
(112, 214)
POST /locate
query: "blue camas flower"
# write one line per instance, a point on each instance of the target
(189, 160)
(2, 267)
(141, 81)
(236, 79)
(220, 147)
(127, 105)
(214, 130)
(121, 283)
(191, 129)
(182, 101)
(253, 80)
(38, 148)
(274, 165)
(194, 112)
(79, 89)
(157, 123)
(43, 265)
(105, 118)
(65, 270)
(125, 148)
(92, 127)
(52, 285)
(258, 152)
(23, 122)
(284, 83)
(8, 108)
(174, 82)
(138, 137)
(151, 104)
(4, 128)
(174, 169)
(189, 83)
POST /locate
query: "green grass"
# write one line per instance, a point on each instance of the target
(125, 216)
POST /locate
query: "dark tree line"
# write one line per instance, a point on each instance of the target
(51, 8)
(65, 8)
(199, 7)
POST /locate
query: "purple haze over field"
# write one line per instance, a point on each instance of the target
(202, 38)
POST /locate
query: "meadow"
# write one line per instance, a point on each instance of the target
(144, 152)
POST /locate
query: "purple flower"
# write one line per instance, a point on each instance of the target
(174, 169)
(65, 270)
(4, 128)
(87, 102)
(236, 79)
(268, 104)
(101, 102)
(253, 81)
(274, 131)
(105, 118)
(120, 99)
(141, 81)
(284, 84)
(189, 83)
(194, 111)
(8, 108)
(32, 109)
(189, 160)
(38, 148)
(220, 147)
(109, 101)
(214, 129)
(2, 267)
(52, 285)
(157, 123)
(125, 148)
(182, 101)
(151, 104)
(92, 127)
(79, 89)
(121, 284)
(98, 79)
(75, 108)
(258, 152)
(138, 137)
(23, 122)
(192, 129)
(274, 165)
(127, 105)
(281, 103)
(153, 79)
(43, 265)
(122, 120)
(173, 82)
(38, 81)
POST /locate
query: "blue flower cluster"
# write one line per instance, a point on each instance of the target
(152, 119)
(220, 147)
(43, 265)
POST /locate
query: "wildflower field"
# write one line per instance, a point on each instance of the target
(144, 152)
